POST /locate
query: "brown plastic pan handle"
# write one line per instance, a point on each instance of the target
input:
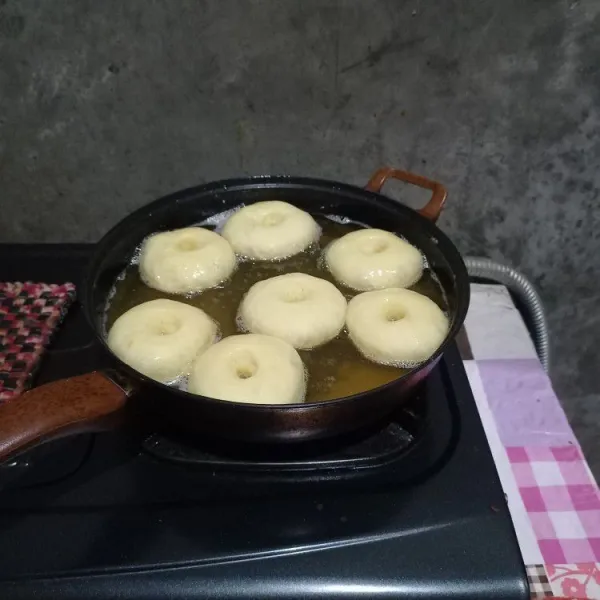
(436, 203)
(65, 407)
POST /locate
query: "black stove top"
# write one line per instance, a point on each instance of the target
(414, 509)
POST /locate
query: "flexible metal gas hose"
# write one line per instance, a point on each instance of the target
(525, 291)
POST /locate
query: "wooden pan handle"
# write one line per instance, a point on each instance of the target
(436, 203)
(65, 407)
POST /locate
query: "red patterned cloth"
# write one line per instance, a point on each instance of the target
(29, 315)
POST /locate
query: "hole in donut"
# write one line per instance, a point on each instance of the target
(374, 246)
(394, 313)
(272, 219)
(167, 325)
(245, 367)
(244, 372)
(188, 245)
(295, 294)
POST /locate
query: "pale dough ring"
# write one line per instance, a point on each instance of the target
(373, 259)
(161, 338)
(186, 261)
(251, 368)
(303, 310)
(270, 230)
(396, 326)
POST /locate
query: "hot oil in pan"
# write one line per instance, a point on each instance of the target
(335, 369)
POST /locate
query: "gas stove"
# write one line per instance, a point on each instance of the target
(413, 509)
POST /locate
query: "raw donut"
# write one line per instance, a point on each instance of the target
(304, 311)
(270, 230)
(395, 326)
(373, 259)
(161, 338)
(186, 260)
(252, 368)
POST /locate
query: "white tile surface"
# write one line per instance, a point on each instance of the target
(495, 327)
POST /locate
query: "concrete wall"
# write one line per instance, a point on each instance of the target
(105, 105)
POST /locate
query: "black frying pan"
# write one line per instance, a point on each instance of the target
(81, 403)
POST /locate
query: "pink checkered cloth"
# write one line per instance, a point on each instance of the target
(562, 501)
(563, 504)
(552, 496)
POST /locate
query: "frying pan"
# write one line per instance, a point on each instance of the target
(84, 403)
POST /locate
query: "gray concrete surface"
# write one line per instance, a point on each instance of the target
(107, 105)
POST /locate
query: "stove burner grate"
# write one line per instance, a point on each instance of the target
(357, 451)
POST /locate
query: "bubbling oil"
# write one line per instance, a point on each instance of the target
(335, 369)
